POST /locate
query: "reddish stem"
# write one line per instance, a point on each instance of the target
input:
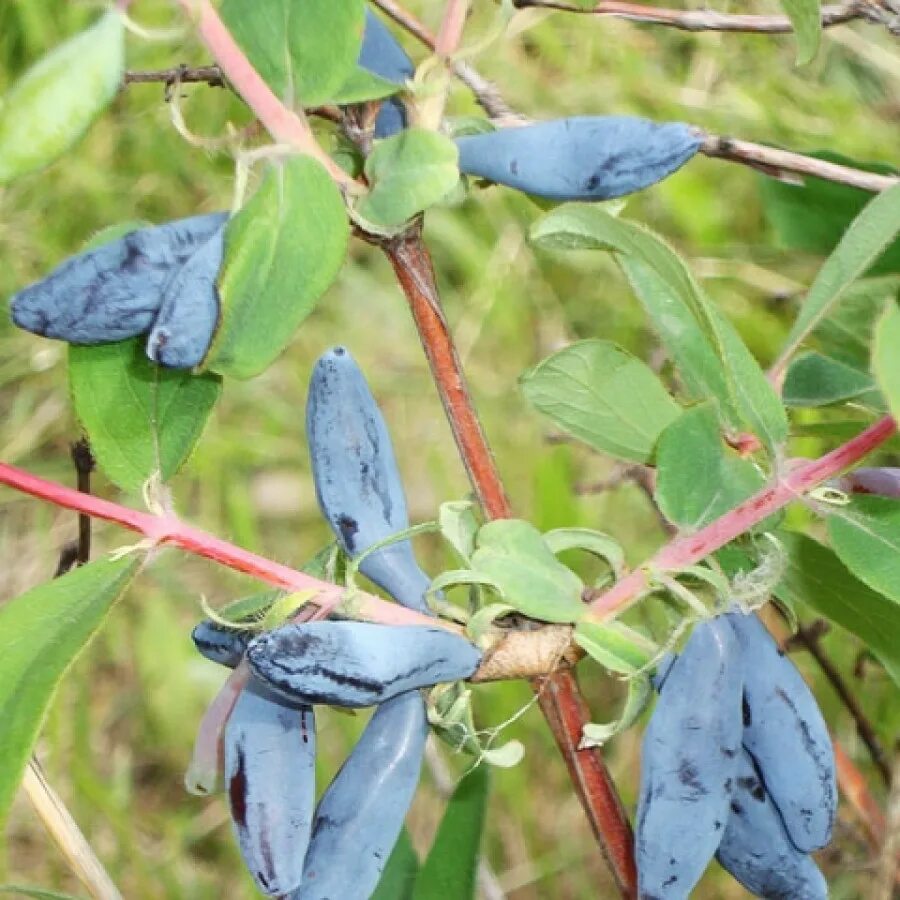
(171, 531)
(690, 549)
(558, 695)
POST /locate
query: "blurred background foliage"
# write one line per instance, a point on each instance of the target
(121, 729)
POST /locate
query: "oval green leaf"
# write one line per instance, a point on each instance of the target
(282, 251)
(51, 106)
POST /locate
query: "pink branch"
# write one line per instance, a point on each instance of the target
(690, 549)
(283, 124)
(169, 530)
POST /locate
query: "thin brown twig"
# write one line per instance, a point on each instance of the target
(84, 466)
(559, 697)
(183, 74)
(710, 20)
(808, 637)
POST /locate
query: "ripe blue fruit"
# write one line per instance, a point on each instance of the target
(358, 484)
(356, 664)
(187, 318)
(270, 772)
(786, 735)
(756, 849)
(688, 764)
(360, 816)
(224, 646)
(382, 55)
(581, 158)
(114, 291)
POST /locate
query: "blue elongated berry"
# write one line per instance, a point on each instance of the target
(270, 756)
(688, 764)
(756, 849)
(356, 664)
(357, 481)
(360, 816)
(382, 55)
(114, 291)
(786, 735)
(582, 158)
(225, 646)
(187, 318)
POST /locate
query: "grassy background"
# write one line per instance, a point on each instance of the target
(121, 729)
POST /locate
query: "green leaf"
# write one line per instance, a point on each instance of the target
(806, 17)
(44, 630)
(449, 870)
(747, 391)
(817, 578)
(408, 173)
(868, 235)
(603, 395)
(817, 380)
(52, 105)
(140, 418)
(814, 215)
(459, 525)
(306, 52)
(589, 540)
(639, 692)
(512, 554)
(399, 876)
(866, 537)
(886, 356)
(698, 476)
(362, 85)
(615, 646)
(676, 321)
(846, 334)
(282, 251)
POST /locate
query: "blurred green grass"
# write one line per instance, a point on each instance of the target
(120, 732)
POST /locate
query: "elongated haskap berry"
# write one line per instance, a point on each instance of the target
(270, 756)
(360, 816)
(582, 158)
(114, 291)
(756, 849)
(357, 480)
(382, 55)
(357, 664)
(786, 735)
(688, 764)
(225, 646)
(187, 318)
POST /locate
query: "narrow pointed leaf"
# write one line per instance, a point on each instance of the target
(44, 630)
(806, 17)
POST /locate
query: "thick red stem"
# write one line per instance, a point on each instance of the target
(558, 695)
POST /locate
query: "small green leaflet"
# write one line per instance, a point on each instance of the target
(868, 235)
(817, 380)
(44, 630)
(140, 418)
(282, 251)
(408, 173)
(306, 52)
(866, 537)
(459, 526)
(814, 215)
(52, 105)
(512, 554)
(818, 579)
(699, 477)
(886, 356)
(399, 876)
(746, 389)
(448, 872)
(615, 646)
(603, 395)
(806, 17)
(596, 735)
